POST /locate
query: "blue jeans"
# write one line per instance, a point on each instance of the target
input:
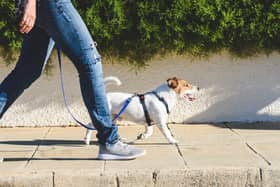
(59, 22)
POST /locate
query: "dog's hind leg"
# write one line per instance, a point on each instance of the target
(88, 137)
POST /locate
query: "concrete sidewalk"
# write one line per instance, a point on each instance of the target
(206, 155)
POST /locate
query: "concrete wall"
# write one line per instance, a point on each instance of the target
(232, 90)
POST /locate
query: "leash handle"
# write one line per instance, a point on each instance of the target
(63, 92)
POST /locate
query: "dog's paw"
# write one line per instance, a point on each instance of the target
(144, 135)
(87, 141)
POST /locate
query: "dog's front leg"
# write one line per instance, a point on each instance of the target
(166, 132)
(148, 132)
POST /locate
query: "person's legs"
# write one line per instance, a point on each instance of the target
(34, 54)
(63, 23)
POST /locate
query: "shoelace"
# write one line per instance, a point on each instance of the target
(122, 145)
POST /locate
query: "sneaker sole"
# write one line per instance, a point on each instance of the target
(119, 157)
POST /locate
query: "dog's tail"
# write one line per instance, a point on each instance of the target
(112, 80)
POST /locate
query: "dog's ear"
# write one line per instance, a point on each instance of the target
(172, 82)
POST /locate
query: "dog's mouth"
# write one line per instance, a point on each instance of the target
(189, 96)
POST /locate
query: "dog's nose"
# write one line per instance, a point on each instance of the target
(198, 88)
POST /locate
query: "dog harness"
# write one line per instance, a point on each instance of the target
(162, 100)
(149, 121)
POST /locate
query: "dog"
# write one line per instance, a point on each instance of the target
(158, 103)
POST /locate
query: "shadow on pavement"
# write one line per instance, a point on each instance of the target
(253, 126)
(20, 159)
(48, 142)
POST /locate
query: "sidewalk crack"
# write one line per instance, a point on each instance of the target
(37, 148)
(248, 145)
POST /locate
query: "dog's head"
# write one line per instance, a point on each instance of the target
(182, 88)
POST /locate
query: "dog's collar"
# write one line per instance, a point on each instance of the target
(162, 100)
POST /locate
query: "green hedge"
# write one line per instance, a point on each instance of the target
(136, 30)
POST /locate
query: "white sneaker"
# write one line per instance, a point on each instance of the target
(119, 151)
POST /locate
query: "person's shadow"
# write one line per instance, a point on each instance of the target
(46, 142)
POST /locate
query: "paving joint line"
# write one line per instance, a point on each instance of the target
(155, 176)
(181, 154)
(53, 179)
(118, 181)
(104, 166)
(261, 174)
(37, 147)
(248, 145)
(178, 149)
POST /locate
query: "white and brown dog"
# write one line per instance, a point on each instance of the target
(158, 103)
